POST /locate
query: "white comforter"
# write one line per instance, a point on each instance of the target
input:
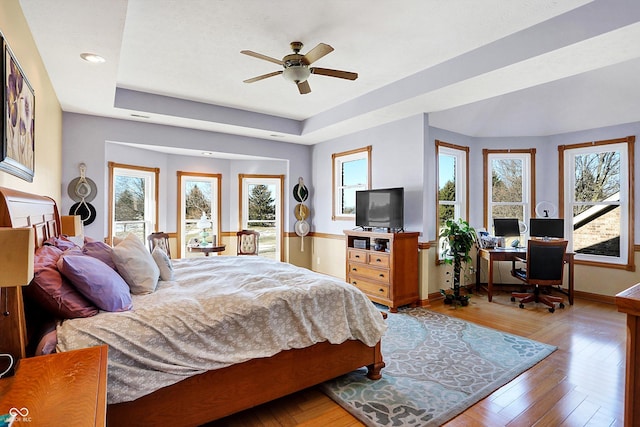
(221, 311)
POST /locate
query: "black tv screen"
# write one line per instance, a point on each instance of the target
(506, 227)
(382, 208)
(546, 227)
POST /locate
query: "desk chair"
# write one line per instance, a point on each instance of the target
(544, 267)
(248, 242)
(159, 239)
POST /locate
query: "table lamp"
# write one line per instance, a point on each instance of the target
(203, 224)
(17, 248)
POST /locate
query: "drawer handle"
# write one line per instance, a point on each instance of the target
(357, 256)
(378, 260)
(354, 269)
(381, 275)
(381, 290)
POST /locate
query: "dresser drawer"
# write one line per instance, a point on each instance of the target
(371, 288)
(379, 259)
(357, 255)
(377, 274)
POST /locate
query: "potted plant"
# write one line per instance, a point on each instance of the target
(460, 238)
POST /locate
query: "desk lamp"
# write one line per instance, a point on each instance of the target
(203, 224)
(16, 260)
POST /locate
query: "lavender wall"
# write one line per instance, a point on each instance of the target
(93, 141)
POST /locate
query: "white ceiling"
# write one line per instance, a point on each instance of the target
(482, 68)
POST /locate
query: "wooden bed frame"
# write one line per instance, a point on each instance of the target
(201, 398)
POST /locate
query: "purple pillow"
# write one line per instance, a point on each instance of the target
(53, 292)
(56, 295)
(96, 281)
(99, 250)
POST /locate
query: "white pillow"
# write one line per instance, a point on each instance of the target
(136, 265)
(164, 263)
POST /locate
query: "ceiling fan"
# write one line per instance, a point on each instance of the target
(296, 66)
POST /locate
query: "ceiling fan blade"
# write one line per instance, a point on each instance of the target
(304, 87)
(317, 52)
(264, 76)
(335, 73)
(261, 56)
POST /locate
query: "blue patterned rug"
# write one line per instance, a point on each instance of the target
(436, 367)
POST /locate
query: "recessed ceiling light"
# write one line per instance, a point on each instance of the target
(93, 58)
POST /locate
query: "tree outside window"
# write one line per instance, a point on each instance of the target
(597, 205)
(452, 196)
(510, 184)
(133, 208)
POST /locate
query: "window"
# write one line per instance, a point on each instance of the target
(509, 177)
(199, 193)
(453, 181)
(133, 204)
(351, 172)
(595, 201)
(261, 210)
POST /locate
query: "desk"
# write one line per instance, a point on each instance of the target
(62, 389)
(206, 249)
(509, 254)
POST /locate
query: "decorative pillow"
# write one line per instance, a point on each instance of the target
(96, 281)
(101, 251)
(53, 292)
(136, 265)
(164, 263)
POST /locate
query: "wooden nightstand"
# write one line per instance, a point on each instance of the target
(63, 389)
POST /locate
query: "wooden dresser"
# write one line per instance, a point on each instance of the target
(384, 266)
(63, 389)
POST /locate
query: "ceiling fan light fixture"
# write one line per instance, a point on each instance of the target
(296, 73)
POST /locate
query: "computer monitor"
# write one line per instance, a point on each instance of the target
(552, 228)
(506, 227)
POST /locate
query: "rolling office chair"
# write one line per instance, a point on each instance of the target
(159, 239)
(248, 242)
(544, 267)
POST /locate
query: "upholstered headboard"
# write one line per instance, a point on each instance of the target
(19, 209)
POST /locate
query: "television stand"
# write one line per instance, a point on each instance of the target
(384, 266)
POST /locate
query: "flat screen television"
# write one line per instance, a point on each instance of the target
(552, 228)
(382, 208)
(506, 227)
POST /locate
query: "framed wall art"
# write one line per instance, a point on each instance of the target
(18, 125)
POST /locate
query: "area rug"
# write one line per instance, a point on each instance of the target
(436, 367)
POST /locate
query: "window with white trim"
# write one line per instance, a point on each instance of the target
(351, 172)
(199, 199)
(510, 185)
(597, 208)
(133, 207)
(453, 182)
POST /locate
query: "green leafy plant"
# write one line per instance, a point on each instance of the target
(460, 238)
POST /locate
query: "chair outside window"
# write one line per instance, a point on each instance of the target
(159, 239)
(544, 268)
(248, 242)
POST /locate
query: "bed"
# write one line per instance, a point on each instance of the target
(194, 395)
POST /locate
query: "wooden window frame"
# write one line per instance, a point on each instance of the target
(335, 158)
(114, 165)
(629, 265)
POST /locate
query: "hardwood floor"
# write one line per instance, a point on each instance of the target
(580, 384)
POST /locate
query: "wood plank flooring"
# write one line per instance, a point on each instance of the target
(580, 384)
